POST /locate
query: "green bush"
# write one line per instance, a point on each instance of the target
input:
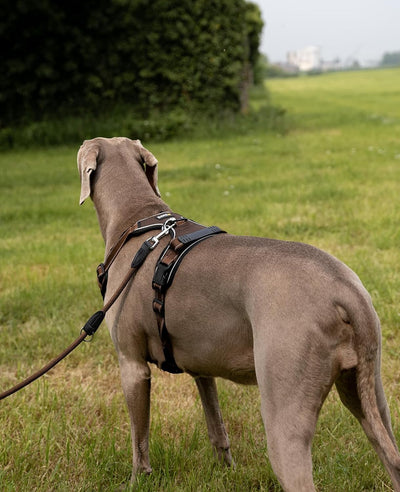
(78, 58)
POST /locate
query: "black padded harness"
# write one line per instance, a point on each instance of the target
(185, 235)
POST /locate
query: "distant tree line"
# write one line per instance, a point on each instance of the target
(63, 58)
(391, 59)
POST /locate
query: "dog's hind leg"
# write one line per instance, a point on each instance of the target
(293, 386)
(346, 385)
(215, 425)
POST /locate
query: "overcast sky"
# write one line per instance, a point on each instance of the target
(360, 29)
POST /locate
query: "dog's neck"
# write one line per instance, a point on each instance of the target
(119, 203)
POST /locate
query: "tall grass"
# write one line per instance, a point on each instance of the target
(156, 126)
(331, 180)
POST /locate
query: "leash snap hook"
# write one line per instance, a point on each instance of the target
(167, 226)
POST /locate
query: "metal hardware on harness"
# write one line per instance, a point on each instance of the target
(168, 225)
(140, 227)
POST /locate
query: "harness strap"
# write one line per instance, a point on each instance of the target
(193, 233)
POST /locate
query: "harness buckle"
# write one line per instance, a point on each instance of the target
(158, 306)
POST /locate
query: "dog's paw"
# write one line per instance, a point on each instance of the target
(224, 456)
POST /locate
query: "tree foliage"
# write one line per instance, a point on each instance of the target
(62, 58)
(391, 59)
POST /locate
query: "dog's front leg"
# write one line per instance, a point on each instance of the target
(136, 382)
(215, 424)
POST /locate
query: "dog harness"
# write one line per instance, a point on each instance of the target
(185, 235)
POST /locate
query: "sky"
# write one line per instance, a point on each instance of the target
(347, 29)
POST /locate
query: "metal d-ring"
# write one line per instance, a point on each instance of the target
(88, 338)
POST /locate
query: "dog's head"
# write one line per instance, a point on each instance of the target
(93, 152)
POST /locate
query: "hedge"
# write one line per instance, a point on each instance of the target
(61, 59)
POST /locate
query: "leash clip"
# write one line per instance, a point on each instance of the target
(167, 226)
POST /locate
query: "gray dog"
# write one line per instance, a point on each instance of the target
(283, 315)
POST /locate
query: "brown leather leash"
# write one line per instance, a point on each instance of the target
(96, 319)
(191, 233)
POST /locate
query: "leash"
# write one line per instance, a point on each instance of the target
(93, 323)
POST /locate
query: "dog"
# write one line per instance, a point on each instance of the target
(283, 315)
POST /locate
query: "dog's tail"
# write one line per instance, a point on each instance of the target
(367, 332)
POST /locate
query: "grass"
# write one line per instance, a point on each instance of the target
(330, 179)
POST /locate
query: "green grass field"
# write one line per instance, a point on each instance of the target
(331, 179)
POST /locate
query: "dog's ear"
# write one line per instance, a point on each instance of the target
(151, 169)
(87, 163)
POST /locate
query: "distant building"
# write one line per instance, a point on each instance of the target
(307, 59)
(310, 59)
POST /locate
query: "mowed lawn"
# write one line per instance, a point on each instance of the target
(330, 179)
